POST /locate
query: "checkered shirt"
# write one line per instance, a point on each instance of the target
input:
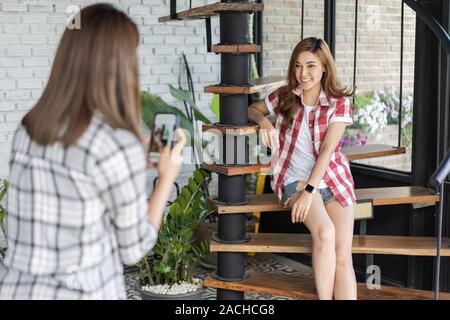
(328, 110)
(75, 216)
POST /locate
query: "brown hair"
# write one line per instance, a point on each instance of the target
(288, 101)
(95, 69)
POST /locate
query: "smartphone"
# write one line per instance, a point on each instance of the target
(163, 134)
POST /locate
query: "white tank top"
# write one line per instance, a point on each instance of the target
(302, 160)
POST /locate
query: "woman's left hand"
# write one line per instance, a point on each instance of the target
(301, 207)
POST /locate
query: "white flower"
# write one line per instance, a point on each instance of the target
(374, 116)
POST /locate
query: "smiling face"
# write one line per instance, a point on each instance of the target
(308, 71)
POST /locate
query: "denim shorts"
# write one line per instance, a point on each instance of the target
(289, 190)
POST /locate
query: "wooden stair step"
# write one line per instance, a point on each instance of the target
(213, 9)
(362, 244)
(256, 85)
(231, 170)
(383, 196)
(230, 130)
(380, 197)
(302, 287)
(236, 48)
(352, 152)
(371, 151)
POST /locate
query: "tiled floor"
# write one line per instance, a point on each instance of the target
(262, 262)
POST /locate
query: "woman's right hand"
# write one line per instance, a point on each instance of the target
(268, 134)
(170, 161)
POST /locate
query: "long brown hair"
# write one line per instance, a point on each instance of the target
(95, 70)
(288, 101)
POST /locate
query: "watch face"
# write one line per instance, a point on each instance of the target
(309, 188)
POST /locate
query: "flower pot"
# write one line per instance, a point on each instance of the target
(148, 295)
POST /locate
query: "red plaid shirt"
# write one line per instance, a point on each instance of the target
(328, 109)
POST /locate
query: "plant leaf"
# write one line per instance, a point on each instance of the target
(186, 193)
(151, 104)
(192, 185)
(3, 188)
(215, 105)
(205, 173)
(185, 96)
(198, 177)
(175, 209)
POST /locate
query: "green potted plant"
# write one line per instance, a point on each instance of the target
(3, 246)
(166, 272)
(150, 105)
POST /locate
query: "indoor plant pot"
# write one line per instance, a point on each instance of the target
(148, 295)
(175, 253)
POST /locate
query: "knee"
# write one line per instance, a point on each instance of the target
(325, 237)
(344, 258)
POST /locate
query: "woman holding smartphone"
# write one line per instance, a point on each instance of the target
(77, 206)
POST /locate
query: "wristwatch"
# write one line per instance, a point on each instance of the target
(310, 189)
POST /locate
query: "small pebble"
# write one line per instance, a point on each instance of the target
(177, 288)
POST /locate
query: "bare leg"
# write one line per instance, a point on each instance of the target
(345, 282)
(323, 251)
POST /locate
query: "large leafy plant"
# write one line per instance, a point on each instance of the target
(3, 189)
(175, 254)
(152, 104)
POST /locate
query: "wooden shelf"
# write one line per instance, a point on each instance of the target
(254, 86)
(352, 153)
(379, 196)
(367, 244)
(231, 130)
(256, 203)
(302, 287)
(236, 48)
(235, 170)
(213, 9)
(397, 195)
(371, 151)
(229, 170)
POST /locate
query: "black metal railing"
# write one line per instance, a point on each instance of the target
(437, 180)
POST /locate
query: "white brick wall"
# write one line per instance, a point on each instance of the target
(30, 32)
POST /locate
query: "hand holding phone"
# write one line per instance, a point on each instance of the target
(163, 133)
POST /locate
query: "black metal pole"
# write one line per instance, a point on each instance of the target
(258, 36)
(330, 25)
(369, 257)
(233, 111)
(173, 9)
(231, 189)
(431, 22)
(237, 70)
(208, 34)
(400, 107)
(303, 17)
(437, 272)
(355, 48)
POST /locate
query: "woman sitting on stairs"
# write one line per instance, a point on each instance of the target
(311, 112)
